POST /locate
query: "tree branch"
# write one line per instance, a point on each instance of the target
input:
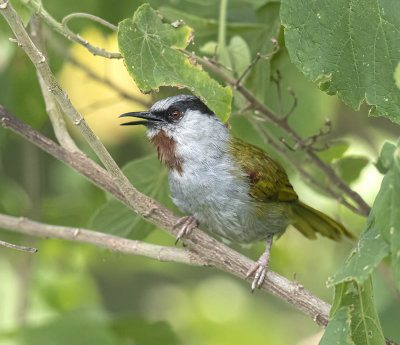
(214, 253)
(63, 29)
(52, 107)
(14, 246)
(114, 243)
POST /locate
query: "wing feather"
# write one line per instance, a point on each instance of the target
(268, 179)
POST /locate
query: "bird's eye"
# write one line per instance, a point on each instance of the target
(176, 114)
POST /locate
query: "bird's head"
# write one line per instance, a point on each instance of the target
(181, 127)
(177, 116)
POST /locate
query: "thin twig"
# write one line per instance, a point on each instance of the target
(258, 58)
(66, 32)
(67, 18)
(287, 115)
(14, 246)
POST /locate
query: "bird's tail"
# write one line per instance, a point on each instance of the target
(309, 221)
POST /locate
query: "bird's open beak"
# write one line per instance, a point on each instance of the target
(150, 118)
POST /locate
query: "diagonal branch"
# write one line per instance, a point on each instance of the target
(114, 243)
(52, 107)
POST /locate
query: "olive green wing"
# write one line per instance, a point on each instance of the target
(268, 179)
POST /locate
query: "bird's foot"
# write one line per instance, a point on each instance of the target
(259, 269)
(186, 224)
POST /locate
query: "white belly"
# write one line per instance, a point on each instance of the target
(216, 193)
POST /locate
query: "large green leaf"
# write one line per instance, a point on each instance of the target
(387, 205)
(364, 258)
(338, 329)
(350, 47)
(359, 299)
(382, 232)
(150, 178)
(150, 49)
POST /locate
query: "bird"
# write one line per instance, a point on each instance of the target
(234, 188)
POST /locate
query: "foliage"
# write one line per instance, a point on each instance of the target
(358, 299)
(150, 178)
(158, 63)
(348, 49)
(82, 295)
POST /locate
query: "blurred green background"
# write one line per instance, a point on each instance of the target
(70, 293)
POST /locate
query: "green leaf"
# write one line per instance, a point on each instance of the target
(239, 54)
(23, 10)
(209, 48)
(334, 152)
(135, 330)
(259, 77)
(359, 299)
(338, 329)
(117, 219)
(397, 75)
(150, 49)
(350, 167)
(364, 258)
(81, 327)
(386, 206)
(351, 48)
(385, 160)
(150, 178)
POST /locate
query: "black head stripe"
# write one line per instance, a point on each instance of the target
(192, 103)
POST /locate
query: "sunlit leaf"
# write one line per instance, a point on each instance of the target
(350, 167)
(335, 151)
(338, 329)
(350, 49)
(150, 49)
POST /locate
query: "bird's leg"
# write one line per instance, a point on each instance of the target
(260, 268)
(186, 224)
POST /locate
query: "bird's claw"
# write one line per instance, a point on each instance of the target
(186, 224)
(259, 269)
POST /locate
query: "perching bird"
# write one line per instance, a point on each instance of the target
(233, 187)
